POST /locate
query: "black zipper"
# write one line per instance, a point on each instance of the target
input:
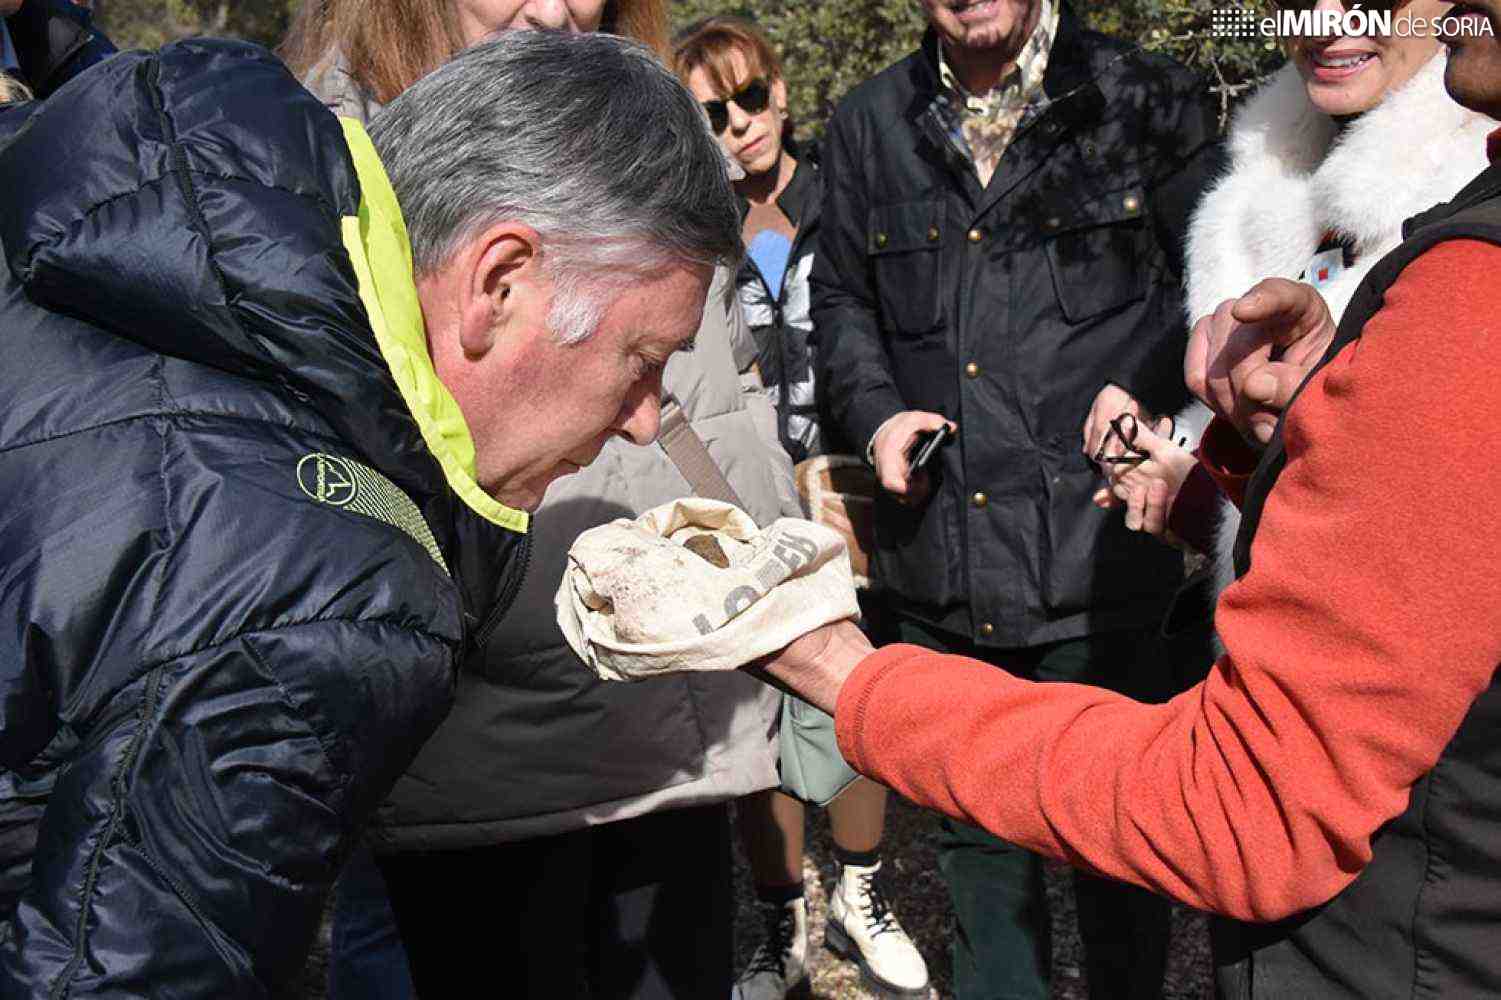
(512, 591)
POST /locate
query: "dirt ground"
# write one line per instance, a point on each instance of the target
(921, 903)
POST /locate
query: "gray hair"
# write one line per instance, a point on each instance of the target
(585, 138)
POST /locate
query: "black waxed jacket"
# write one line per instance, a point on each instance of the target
(1006, 310)
(235, 577)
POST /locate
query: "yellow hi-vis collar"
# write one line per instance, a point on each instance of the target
(382, 254)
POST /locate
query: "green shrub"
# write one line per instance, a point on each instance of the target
(133, 24)
(827, 46)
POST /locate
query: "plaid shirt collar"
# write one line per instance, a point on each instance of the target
(984, 124)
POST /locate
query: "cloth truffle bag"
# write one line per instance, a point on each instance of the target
(695, 585)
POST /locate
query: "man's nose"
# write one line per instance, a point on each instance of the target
(547, 13)
(643, 419)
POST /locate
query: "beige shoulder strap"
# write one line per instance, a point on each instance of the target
(691, 456)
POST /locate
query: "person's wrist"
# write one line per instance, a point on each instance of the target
(870, 446)
(816, 666)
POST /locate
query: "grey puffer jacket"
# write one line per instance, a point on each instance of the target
(535, 744)
(331, 82)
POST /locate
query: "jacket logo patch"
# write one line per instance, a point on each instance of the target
(326, 479)
(352, 486)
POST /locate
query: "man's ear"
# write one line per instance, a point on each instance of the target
(502, 286)
(779, 96)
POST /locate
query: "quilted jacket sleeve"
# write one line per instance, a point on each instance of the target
(194, 840)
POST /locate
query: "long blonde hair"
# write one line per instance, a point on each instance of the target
(389, 45)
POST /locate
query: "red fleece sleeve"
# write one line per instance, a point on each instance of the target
(1368, 624)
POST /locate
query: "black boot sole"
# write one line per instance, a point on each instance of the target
(837, 940)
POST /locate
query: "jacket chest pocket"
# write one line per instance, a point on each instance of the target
(902, 243)
(1099, 254)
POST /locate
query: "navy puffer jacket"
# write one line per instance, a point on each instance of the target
(241, 548)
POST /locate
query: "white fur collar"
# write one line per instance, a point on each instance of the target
(1293, 177)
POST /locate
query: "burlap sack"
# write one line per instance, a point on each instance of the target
(635, 603)
(839, 492)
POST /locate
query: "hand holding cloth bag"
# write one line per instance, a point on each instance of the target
(695, 585)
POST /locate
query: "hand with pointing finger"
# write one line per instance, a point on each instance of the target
(1248, 358)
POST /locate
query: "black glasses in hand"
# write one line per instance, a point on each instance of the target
(1123, 429)
(752, 99)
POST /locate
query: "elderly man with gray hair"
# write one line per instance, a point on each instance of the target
(277, 403)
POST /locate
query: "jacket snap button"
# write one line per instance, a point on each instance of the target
(1131, 203)
(882, 239)
(932, 234)
(972, 370)
(979, 499)
(976, 235)
(987, 630)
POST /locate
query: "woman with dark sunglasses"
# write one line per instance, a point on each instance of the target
(1350, 138)
(732, 69)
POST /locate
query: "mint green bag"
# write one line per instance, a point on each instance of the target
(810, 763)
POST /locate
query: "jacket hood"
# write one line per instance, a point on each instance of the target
(199, 202)
(1295, 176)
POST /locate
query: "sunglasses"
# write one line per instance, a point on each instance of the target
(752, 99)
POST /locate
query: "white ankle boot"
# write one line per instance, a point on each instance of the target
(862, 927)
(779, 967)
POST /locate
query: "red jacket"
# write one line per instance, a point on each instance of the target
(1369, 622)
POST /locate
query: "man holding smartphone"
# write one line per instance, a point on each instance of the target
(1002, 236)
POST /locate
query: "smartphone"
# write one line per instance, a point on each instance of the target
(926, 446)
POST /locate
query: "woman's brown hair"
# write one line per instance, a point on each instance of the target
(710, 45)
(389, 45)
(644, 20)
